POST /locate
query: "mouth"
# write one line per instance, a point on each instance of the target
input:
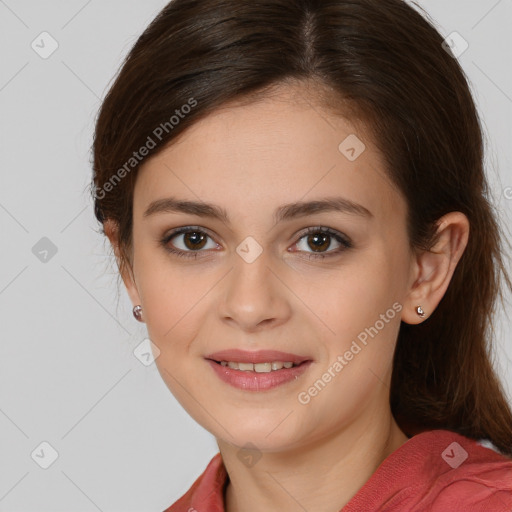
(266, 367)
(257, 371)
(258, 361)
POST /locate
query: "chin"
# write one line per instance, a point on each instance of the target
(270, 434)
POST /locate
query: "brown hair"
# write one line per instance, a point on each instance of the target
(382, 62)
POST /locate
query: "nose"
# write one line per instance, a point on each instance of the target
(254, 296)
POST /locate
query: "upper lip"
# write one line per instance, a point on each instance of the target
(260, 356)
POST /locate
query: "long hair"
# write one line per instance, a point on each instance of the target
(381, 63)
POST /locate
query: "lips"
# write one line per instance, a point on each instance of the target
(251, 381)
(260, 356)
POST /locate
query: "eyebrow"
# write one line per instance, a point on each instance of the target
(282, 213)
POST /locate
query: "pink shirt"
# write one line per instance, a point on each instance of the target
(435, 471)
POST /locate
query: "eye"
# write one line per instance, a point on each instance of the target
(319, 239)
(193, 239)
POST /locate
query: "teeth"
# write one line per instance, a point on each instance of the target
(258, 367)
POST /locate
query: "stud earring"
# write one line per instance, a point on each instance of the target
(420, 311)
(137, 313)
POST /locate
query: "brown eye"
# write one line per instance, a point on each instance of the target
(187, 242)
(194, 240)
(319, 239)
(319, 242)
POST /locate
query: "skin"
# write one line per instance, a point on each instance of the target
(251, 159)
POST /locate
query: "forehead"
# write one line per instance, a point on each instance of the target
(258, 155)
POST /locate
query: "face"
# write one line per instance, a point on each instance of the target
(321, 284)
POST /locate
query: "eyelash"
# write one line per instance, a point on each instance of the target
(343, 240)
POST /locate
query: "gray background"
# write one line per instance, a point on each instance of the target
(68, 375)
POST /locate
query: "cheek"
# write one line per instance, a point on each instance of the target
(353, 297)
(171, 292)
(362, 310)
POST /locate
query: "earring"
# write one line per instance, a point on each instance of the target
(137, 313)
(420, 311)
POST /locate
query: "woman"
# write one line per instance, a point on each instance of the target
(295, 194)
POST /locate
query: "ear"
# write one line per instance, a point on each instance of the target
(111, 229)
(433, 269)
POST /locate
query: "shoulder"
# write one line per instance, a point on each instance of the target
(464, 474)
(439, 470)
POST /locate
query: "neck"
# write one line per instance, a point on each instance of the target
(329, 470)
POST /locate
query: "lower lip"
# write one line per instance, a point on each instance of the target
(254, 381)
